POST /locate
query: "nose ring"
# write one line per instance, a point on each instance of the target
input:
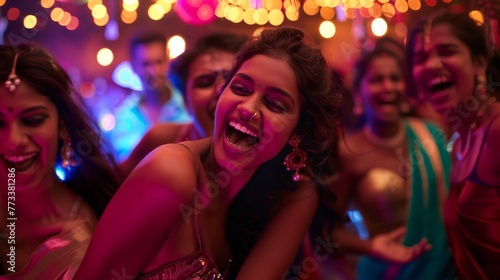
(253, 116)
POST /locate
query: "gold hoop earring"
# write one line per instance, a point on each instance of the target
(296, 159)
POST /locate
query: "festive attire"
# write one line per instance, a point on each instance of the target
(472, 216)
(195, 266)
(430, 168)
(59, 256)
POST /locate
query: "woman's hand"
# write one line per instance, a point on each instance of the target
(388, 247)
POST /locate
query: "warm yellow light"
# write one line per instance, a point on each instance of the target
(156, 12)
(327, 29)
(388, 10)
(248, 17)
(244, 4)
(414, 4)
(477, 16)
(310, 7)
(276, 17)
(167, 7)
(29, 21)
(101, 21)
(128, 17)
(379, 27)
(130, 7)
(261, 16)
(92, 3)
(104, 56)
(2, 2)
(66, 19)
(273, 5)
(99, 11)
(366, 3)
(176, 45)
(327, 13)
(56, 14)
(45, 3)
(376, 10)
(401, 6)
(130, 2)
(355, 4)
(235, 14)
(292, 13)
(219, 11)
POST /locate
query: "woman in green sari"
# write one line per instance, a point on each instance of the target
(395, 172)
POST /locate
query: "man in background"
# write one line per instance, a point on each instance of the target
(158, 101)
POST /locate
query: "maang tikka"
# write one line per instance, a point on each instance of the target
(13, 81)
(296, 159)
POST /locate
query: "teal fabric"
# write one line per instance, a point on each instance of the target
(422, 220)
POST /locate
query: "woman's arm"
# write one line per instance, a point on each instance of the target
(277, 248)
(141, 215)
(387, 246)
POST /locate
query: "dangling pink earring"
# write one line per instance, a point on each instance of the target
(296, 159)
(67, 155)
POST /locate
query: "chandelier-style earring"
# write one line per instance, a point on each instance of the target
(67, 155)
(296, 159)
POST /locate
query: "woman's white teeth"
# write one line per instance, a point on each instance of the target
(242, 128)
(16, 159)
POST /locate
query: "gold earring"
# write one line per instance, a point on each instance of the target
(296, 159)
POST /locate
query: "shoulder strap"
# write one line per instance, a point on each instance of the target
(198, 230)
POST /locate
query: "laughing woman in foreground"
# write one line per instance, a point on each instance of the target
(168, 220)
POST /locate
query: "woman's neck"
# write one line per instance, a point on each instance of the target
(229, 181)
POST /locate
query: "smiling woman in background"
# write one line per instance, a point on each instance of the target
(450, 63)
(42, 125)
(395, 172)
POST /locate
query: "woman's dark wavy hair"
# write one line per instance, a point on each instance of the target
(256, 204)
(95, 178)
(179, 67)
(465, 29)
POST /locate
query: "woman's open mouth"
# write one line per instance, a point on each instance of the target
(241, 136)
(22, 163)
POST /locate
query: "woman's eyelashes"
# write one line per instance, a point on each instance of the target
(30, 121)
(274, 103)
(34, 121)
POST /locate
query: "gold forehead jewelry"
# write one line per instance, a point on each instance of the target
(13, 81)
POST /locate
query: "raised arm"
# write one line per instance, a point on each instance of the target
(141, 215)
(277, 248)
